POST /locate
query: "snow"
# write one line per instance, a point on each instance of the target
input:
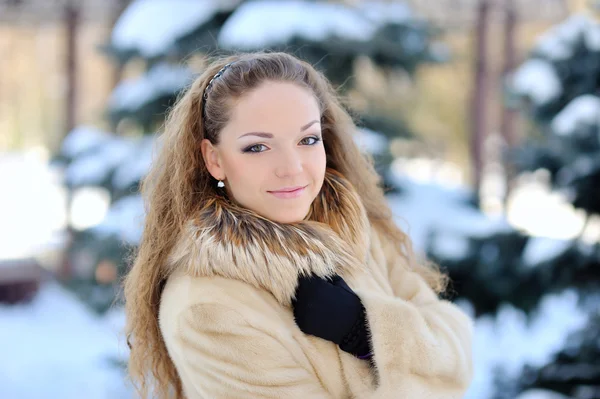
(152, 26)
(89, 205)
(592, 38)
(259, 24)
(423, 207)
(543, 249)
(54, 347)
(581, 168)
(541, 394)
(439, 51)
(585, 164)
(582, 110)
(558, 42)
(125, 219)
(135, 168)
(414, 42)
(161, 80)
(129, 158)
(94, 167)
(82, 139)
(450, 245)
(32, 206)
(370, 141)
(510, 341)
(538, 80)
(386, 12)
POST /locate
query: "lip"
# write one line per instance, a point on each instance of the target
(289, 192)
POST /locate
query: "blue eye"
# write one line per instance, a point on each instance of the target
(255, 148)
(311, 140)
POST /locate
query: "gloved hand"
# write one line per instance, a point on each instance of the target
(329, 309)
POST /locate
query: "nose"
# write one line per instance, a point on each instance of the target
(289, 164)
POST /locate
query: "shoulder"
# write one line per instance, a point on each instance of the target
(385, 251)
(382, 243)
(226, 340)
(199, 314)
(215, 299)
(182, 290)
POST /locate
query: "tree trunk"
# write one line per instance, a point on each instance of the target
(479, 97)
(118, 9)
(508, 118)
(71, 20)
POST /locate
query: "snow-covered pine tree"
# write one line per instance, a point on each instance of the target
(561, 85)
(161, 35)
(557, 89)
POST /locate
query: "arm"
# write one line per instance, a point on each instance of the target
(416, 332)
(432, 340)
(421, 347)
(225, 356)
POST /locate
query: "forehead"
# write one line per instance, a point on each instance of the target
(274, 106)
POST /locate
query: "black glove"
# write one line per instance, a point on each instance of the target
(329, 309)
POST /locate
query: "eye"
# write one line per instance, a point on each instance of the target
(255, 148)
(311, 140)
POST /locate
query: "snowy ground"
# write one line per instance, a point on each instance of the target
(31, 205)
(55, 348)
(510, 341)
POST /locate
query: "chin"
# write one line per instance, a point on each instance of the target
(288, 217)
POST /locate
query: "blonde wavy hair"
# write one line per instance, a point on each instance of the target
(179, 183)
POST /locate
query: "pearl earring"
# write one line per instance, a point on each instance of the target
(220, 184)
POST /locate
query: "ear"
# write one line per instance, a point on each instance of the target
(212, 160)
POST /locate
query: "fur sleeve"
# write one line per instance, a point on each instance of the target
(418, 334)
(224, 356)
(429, 341)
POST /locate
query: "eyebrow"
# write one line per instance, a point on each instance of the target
(270, 136)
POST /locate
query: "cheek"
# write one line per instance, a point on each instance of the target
(244, 174)
(318, 163)
(236, 167)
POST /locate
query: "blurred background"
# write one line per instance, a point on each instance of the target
(483, 118)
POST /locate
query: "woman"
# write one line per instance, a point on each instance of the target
(270, 266)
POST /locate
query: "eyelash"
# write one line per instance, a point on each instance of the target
(249, 148)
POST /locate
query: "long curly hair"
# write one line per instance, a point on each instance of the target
(178, 184)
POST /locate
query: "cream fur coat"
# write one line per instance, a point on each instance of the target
(227, 322)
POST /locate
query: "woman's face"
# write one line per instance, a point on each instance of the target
(270, 154)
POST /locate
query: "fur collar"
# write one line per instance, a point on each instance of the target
(225, 240)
